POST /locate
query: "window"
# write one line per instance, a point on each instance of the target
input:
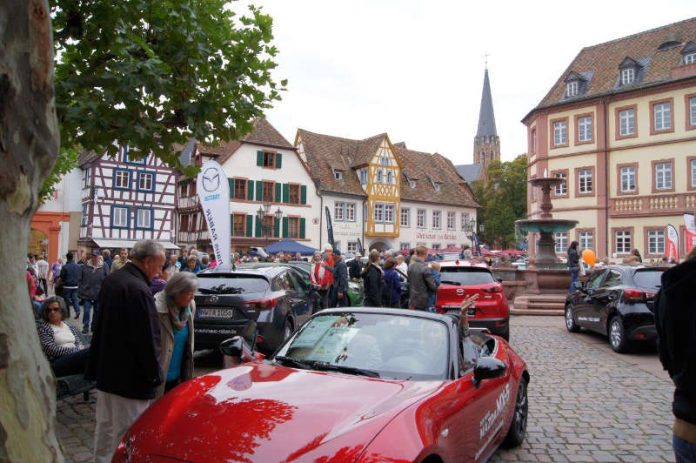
(420, 218)
(119, 217)
(622, 241)
(352, 247)
(363, 176)
(84, 220)
(436, 185)
(562, 188)
(380, 176)
(436, 246)
(663, 176)
(627, 122)
(662, 116)
(692, 111)
(692, 165)
(338, 174)
(350, 212)
(384, 160)
(405, 217)
(628, 75)
(628, 179)
(656, 242)
(404, 246)
(585, 181)
(293, 194)
(143, 218)
(338, 212)
(390, 177)
(122, 179)
(561, 242)
(269, 160)
(269, 191)
(389, 213)
(572, 88)
(465, 220)
(451, 221)
(690, 58)
(585, 129)
(344, 211)
(85, 178)
(240, 186)
(412, 183)
(437, 216)
(146, 181)
(379, 213)
(293, 227)
(586, 240)
(560, 133)
(238, 225)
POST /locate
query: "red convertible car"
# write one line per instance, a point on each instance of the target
(351, 385)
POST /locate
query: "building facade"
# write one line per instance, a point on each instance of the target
(125, 199)
(384, 195)
(619, 127)
(265, 174)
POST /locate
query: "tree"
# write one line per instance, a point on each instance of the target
(503, 199)
(149, 74)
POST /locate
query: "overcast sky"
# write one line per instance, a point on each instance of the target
(414, 69)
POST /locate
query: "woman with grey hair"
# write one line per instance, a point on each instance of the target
(60, 341)
(175, 307)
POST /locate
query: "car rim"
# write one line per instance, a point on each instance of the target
(521, 408)
(569, 318)
(616, 334)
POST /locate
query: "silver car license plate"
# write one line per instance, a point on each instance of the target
(216, 313)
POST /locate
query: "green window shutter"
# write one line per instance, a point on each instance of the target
(286, 192)
(276, 227)
(303, 194)
(258, 228)
(279, 160)
(259, 158)
(249, 225)
(231, 182)
(302, 228)
(250, 190)
(278, 187)
(285, 227)
(259, 190)
(231, 224)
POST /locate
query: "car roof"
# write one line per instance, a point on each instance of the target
(396, 312)
(463, 263)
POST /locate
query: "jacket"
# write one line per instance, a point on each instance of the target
(70, 275)
(675, 321)
(354, 268)
(420, 281)
(319, 275)
(341, 277)
(48, 341)
(167, 341)
(125, 351)
(392, 288)
(91, 281)
(573, 259)
(373, 278)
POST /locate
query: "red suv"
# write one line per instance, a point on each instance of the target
(461, 279)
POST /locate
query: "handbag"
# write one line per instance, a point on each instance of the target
(59, 289)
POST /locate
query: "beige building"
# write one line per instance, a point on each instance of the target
(619, 126)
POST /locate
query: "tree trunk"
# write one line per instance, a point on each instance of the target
(29, 140)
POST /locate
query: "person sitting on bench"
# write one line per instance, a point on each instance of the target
(60, 341)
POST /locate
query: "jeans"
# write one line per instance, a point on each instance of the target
(70, 364)
(89, 304)
(573, 280)
(70, 296)
(684, 452)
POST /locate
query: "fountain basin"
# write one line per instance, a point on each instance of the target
(545, 225)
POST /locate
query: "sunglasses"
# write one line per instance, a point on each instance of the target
(53, 309)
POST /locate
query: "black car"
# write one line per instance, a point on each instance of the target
(616, 301)
(271, 299)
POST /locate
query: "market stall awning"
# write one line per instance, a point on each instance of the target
(104, 243)
(289, 246)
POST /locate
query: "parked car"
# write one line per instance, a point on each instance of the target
(273, 299)
(462, 278)
(355, 290)
(616, 301)
(362, 385)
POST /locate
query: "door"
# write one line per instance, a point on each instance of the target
(300, 296)
(603, 298)
(583, 302)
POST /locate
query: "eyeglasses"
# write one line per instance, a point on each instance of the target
(53, 309)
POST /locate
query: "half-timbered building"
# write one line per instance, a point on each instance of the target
(125, 200)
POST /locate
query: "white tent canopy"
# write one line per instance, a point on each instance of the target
(103, 243)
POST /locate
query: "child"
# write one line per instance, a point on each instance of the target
(437, 279)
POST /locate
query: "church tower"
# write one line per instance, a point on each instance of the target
(486, 142)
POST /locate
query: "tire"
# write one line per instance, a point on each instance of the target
(570, 324)
(617, 335)
(518, 425)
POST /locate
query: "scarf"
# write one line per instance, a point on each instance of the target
(178, 318)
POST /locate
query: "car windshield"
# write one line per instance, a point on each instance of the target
(370, 344)
(646, 278)
(231, 284)
(466, 276)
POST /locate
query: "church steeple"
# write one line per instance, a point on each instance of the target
(486, 142)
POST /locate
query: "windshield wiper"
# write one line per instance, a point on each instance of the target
(292, 362)
(325, 366)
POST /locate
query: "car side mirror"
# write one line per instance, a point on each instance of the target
(236, 351)
(488, 368)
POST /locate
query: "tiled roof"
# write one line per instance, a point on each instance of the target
(85, 157)
(265, 134)
(470, 172)
(599, 64)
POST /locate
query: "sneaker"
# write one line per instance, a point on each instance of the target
(77, 315)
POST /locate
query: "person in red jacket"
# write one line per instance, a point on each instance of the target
(321, 278)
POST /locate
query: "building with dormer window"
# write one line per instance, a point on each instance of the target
(623, 141)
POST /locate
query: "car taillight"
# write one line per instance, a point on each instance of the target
(634, 295)
(260, 304)
(494, 289)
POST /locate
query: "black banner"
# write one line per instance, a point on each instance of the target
(329, 226)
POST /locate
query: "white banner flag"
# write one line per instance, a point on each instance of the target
(214, 194)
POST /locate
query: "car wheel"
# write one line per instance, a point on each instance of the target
(570, 319)
(617, 335)
(518, 425)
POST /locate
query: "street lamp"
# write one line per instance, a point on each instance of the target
(261, 215)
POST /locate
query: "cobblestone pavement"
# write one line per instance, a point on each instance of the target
(586, 403)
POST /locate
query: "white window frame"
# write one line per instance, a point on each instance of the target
(84, 220)
(586, 240)
(421, 218)
(412, 183)
(628, 179)
(562, 188)
(560, 133)
(338, 174)
(451, 220)
(693, 173)
(380, 176)
(692, 110)
(560, 242)
(690, 58)
(350, 212)
(628, 76)
(352, 247)
(572, 88)
(663, 176)
(405, 217)
(585, 181)
(662, 115)
(389, 213)
(403, 246)
(339, 211)
(585, 129)
(390, 177)
(141, 178)
(120, 213)
(622, 242)
(363, 177)
(379, 213)
(464, 219)
(656, 242)
(140, 215)
(437, 220)
(119, 177)
(627, 122)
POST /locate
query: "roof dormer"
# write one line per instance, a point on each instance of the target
(629, 72)
(576, 85)
(689, 53)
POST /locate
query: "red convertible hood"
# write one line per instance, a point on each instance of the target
(263, 412)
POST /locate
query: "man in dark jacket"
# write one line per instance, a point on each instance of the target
(124, 355)
(69, 280)
(93, 274)
(355, 266)
(420, 280)
(340, 287)
(373, 278)
(675, 320)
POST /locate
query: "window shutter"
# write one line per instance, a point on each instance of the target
(286, 192)
(279, 160)
(258, 228)
(249, 225)
(303, 194)
(231, 224)
(231, 182)
(259, 190)
(302, 228)
(276, 227)
(259, 158)
(285, 227)
(278, 188)
(250, 190)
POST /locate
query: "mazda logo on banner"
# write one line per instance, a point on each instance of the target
(214, 193)
(211, 179)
